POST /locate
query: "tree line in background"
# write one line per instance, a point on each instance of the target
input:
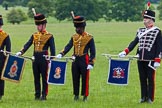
(118, 10)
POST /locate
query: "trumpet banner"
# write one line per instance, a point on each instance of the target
(13, 68)
(57, 73)
(118, 73)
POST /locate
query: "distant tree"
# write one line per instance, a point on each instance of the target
(124, 10)
(153, 1)
(62, 9)
(16, 16)
(24, 2)
(5, 5)
(11, 3)
(106, 10)
(160, 9)
(1, 1)
(88, 8)
(45, 7)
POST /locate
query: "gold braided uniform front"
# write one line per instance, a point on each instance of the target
(79, 42)
(3, 36)
(40, 40)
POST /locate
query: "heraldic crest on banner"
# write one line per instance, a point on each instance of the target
(13, 68)
(57, 72)
(118, 71)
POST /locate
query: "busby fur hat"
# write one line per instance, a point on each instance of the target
(1, 20)
(149, 14)
(79, 21)
(40, 19)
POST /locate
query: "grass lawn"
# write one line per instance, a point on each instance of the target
(109, 38)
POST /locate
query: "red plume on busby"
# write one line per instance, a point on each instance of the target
(149, 13)
(148, 5)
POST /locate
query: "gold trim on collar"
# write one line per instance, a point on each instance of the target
(40, 20)
(79, 21)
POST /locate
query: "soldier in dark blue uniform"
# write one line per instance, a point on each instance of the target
(42, 40)
(149, 40)
(83, 43)
(5, 44)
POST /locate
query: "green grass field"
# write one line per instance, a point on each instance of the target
(109, 38)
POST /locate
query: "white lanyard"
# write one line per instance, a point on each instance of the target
(147, 31)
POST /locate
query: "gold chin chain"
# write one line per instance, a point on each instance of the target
(78, 39)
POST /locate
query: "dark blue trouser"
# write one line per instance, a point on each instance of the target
(79, 69)
(2, 83)
(40, 68)
(147, 79)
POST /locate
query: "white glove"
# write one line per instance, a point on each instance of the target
(89, 67)
(73, 57)
(156, 64)
(49, 64)
(18, 54)
(59, 56)
(136, 56)
(47, 58)
(122, 54)
(33, 58)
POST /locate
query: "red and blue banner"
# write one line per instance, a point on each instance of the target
(57, 73)
(13, 68)
(118, 72)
